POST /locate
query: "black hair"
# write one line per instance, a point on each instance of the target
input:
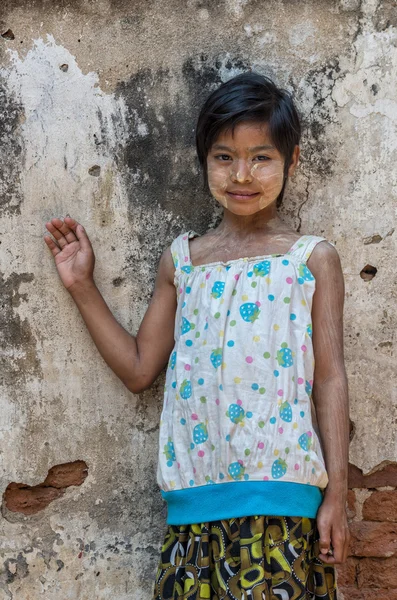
(254, 98)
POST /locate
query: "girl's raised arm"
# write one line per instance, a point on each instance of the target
(136, 360)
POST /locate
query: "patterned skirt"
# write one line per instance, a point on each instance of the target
(248, 558)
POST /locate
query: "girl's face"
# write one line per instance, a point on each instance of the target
(245, 170)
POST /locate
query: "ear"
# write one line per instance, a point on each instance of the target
(294, 161)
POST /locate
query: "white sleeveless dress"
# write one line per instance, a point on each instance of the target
(237, 434)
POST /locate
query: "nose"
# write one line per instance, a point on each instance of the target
(240, 172)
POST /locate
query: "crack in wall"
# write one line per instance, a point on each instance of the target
(319, 157)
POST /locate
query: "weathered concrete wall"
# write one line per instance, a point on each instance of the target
(98, 102)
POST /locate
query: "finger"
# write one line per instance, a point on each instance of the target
(66, 230)
(346, 546)
(338, 551)
(338, 544)
(58, 235)
(327, 558)
(62, 232)
(82, 236)
(52, 245)
(325, 537)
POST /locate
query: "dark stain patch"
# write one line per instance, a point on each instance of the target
(14, 569)
(387, 344)
(318, 152)
(324, 112)
(147, 556)
(374, 88)
(350, 5)
(159, 159)
(118, 281)
(120, 546)
(207, 4)
(386, 15)
(97, 142)
(130, 23)
(373, 239)
(95, 170)
(11, 114)
(15, 333)
(158, 162)
(352, 430)
(64, 67)
(82, 7)
(60, 564)
(202, 76)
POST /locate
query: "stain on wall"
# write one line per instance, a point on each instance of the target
(98, 104)
(11, 115)
(15, 333)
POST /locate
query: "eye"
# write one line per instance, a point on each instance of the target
(222, 157)
(262, 158)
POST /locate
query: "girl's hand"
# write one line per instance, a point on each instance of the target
(73, 254)
(334, 531)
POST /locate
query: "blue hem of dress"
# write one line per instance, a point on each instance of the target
(230, 500)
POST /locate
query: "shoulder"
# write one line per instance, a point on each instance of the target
(323, 251)
(166, 267)
(171, 257)
(324, 262)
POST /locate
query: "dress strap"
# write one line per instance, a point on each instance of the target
(305, 245)
(180, 249)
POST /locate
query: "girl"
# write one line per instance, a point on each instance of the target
(253, 443)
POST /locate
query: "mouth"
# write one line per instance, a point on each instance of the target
(242, 194)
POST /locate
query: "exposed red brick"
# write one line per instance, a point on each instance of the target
(29, 500)
(386, 475)
(352, 593)
(377, 573)
(61, 476)
(381, 506)
(346, 572)
(372, 539)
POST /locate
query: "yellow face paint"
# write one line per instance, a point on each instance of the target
(245, 170)
(271, 182)
(265, 180)
(217, 182)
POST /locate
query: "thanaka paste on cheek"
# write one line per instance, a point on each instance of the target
(270, 180)
(218, 182)
(265, 178)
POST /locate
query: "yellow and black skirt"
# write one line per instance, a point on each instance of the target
(248, 558)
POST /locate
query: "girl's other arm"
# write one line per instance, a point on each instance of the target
(330, 396)
(136, 360)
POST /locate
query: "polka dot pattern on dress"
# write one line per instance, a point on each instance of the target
(240, 377)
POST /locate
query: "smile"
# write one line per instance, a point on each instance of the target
(242, 195)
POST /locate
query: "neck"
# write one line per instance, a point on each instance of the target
(264, 221)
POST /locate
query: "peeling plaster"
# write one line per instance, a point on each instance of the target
(63, 105)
